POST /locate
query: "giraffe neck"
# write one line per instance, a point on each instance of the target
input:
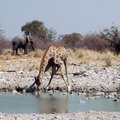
(44, 62)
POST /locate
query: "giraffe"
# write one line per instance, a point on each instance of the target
(55, 57)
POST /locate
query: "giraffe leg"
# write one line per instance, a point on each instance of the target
(48, 67)
(57, 66)
(65, 64)
(53, 73)
(50, 64)
(37, 82)
(63, 74)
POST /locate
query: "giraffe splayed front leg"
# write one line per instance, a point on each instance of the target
(64, 76)
(37, 82)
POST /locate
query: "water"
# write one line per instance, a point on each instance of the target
(56, 103)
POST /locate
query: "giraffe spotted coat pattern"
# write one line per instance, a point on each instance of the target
(55, 57)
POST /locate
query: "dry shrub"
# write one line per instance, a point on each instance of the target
(93, 42)
(41, 44)
(70, 40)
(90, 41)
(4, 44)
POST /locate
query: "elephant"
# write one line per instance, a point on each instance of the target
(21, 42)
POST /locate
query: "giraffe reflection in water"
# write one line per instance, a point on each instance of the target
(53, 103)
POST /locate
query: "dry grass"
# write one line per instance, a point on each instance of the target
(79, 56)
(29, 61)
(85, 56)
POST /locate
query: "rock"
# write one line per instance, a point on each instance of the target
(115, 100)
(21, 72)
(15, 92)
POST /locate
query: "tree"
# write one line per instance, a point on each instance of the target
(38, 28)
(50, 34)
(35, 27)
(112, 35)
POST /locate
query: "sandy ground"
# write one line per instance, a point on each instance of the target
(92, 79)
(67, 116)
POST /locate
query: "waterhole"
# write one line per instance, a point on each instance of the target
(55, 103)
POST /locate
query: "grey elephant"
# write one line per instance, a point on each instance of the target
(21, 42)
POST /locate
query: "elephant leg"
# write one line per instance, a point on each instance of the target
(13, 49)
(16, 51)
(25, 50)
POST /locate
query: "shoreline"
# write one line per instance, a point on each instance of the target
(63, 116)
(88, 79)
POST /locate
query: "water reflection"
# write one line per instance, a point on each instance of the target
(55, 103)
